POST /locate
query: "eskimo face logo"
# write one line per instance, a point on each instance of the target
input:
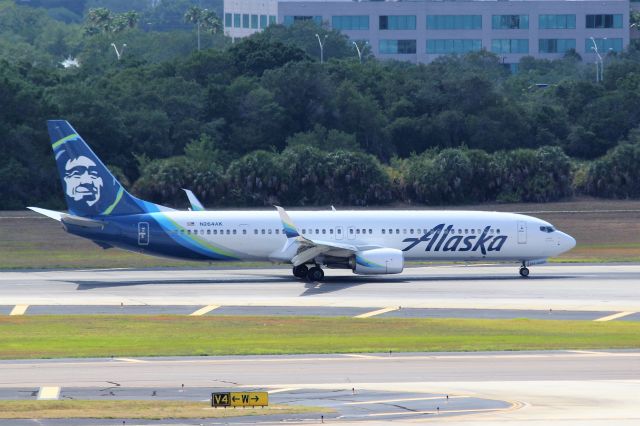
(82, 180)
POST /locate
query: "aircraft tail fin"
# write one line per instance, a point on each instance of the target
(90, 188)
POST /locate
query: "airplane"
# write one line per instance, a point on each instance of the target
(367, 242)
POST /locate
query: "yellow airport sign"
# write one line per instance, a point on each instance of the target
(239, 399)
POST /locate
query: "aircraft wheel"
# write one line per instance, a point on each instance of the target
(315, 274)
(524, 272)
(300, 271)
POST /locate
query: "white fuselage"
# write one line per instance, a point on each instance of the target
(421, 235)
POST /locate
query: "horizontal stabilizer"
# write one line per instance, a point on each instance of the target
(49, 213)
(82, 221)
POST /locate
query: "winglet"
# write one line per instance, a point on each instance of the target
(196, 205)
(290, 229)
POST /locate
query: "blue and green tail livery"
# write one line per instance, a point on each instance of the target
(90, 188)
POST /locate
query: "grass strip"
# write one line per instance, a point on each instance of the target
(60, 336)
(131, 409)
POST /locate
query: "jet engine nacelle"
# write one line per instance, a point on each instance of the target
(378, 261)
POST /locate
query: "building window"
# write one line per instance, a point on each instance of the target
(290, 19)
(453, 46)
(228, 20)
(397, 22)
(556, 22)
(245, 20)
(397, 46)
(605, 45)
(263, 21)
(604, 21)
(454, 22)
(556, 45)
(254, 21)
(272, 19)
(510, 22)
(350, 22)
(236, 20)
(515, 45)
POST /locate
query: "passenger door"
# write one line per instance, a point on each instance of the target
(522, 232)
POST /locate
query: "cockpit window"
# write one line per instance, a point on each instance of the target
(547, 229)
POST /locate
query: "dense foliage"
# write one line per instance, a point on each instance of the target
(261, 121)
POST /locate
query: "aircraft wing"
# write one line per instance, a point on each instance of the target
(300, 249)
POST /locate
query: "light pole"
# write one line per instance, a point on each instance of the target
(119, 53)
(359, 50)
(599, 69)
(321, 46)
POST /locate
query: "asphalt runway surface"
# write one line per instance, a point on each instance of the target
(559, 387)
(558, 291)
(563, 387)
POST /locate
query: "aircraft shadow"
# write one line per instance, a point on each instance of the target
(332, 284)
(329, 285)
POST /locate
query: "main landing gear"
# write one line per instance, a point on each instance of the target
(314, 273)
(524, 271)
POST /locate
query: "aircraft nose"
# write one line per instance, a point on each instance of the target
(567, 241)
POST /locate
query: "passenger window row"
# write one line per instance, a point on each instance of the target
(357, 231)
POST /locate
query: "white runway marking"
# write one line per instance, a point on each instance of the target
(130, 360)
(378, 312)
(615, 316)
(364, 356)
(282, 390)
(19, 310)
(204, 310)
(49, 392)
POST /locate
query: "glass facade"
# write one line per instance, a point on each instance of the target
(397, 22)
(350, 22)
(556, 22)
(397, 46)
(453, 46)
(556, 45)
(290, 19)
(605, 45)
(236, 20)
(510, 22)
(604, 21)
(513, 45)
(454, 22)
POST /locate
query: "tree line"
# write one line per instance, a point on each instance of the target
(261, 121)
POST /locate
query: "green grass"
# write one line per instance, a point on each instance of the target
(123, 335)
(132, 409)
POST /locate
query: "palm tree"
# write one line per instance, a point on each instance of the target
(100, 18)
(194, 15)
(211, 22)
(131, 18)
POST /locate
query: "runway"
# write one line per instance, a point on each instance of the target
(606, 289)
(562, 387)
